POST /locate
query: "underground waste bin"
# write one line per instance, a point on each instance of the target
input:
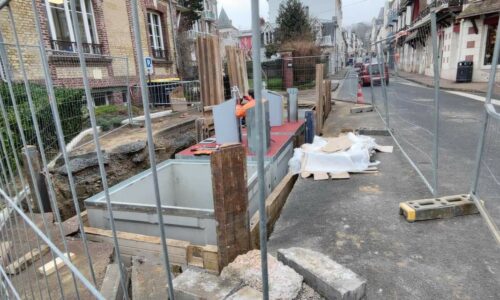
(464, 71)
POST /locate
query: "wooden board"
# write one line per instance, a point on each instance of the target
(209, 70)
(26, 259)
(51, 267)
(237, 69)
(341, 143)
(132, 244)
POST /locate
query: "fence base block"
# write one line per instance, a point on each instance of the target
(361, 108)
(437, 208)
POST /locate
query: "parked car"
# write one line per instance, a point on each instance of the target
(358, 67)
(364, 77)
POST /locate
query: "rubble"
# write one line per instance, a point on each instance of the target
(284, 282)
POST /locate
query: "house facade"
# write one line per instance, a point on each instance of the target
(466, 32)
(108, 43)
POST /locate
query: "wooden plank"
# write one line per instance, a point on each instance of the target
(337, 176)
(26, 259)
(51, 267)
(274, 203)
(136, 244)
(321, 176)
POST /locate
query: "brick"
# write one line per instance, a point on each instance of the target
(330, 279)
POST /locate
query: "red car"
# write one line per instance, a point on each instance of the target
(364, 76)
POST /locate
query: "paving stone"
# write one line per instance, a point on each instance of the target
(246, 293)
(196, 285)
(328, 278)
(130, 148)
(284, 282)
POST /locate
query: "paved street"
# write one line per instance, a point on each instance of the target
(356, 221)
(411, 111)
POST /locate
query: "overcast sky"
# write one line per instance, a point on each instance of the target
(354, 11)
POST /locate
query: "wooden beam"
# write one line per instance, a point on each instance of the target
(27, 259)
(51, 267)
(230, 191)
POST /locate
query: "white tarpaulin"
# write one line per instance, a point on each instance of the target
(311, 158)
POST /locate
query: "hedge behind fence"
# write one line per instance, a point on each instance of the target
(70, 103)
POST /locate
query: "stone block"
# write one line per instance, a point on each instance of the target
(330, 279)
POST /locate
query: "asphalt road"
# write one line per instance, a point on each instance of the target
(411, 116)
(356, 221)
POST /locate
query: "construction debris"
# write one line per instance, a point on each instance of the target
(26, 259)
(437, 208)
(111, 288)
(284, 283)
(336, 157)
(194, 284)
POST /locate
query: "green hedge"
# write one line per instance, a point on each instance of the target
(70, 103)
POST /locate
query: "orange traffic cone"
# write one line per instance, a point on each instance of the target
(361, 98)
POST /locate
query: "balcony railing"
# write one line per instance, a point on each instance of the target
(208, 15)
(69, 46)
(159, 53)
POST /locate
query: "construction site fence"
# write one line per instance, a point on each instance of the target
(298, 72)
(47, 99)
(405, 89)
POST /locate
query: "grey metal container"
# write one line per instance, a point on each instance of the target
(186, 196)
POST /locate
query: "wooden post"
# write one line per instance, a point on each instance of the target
(320, 98)
(34, 155)
(229, 181)
(210, 70)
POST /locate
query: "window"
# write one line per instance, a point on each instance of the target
(490, 44)
(61, 24)
(156, 35)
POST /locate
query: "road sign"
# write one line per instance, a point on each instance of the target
(148, 62)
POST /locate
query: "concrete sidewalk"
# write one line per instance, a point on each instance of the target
(468, 87)
(356, 223)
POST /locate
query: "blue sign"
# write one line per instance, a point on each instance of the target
(148, 62)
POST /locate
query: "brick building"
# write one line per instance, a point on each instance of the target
(108, 43)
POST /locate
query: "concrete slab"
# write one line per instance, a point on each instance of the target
(196, 285)
(111, 288)
(328, 278)
(149, 280)
(246, 293)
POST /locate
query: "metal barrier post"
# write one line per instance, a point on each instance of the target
(482, 139)
(257, 80)
(371, 79)
(100, 159)
(381, 67)
(435, 144)
(151, 149)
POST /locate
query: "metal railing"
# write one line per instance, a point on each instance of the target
(31, 96)
(72, 47)
(486, 180)
(158, 53)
